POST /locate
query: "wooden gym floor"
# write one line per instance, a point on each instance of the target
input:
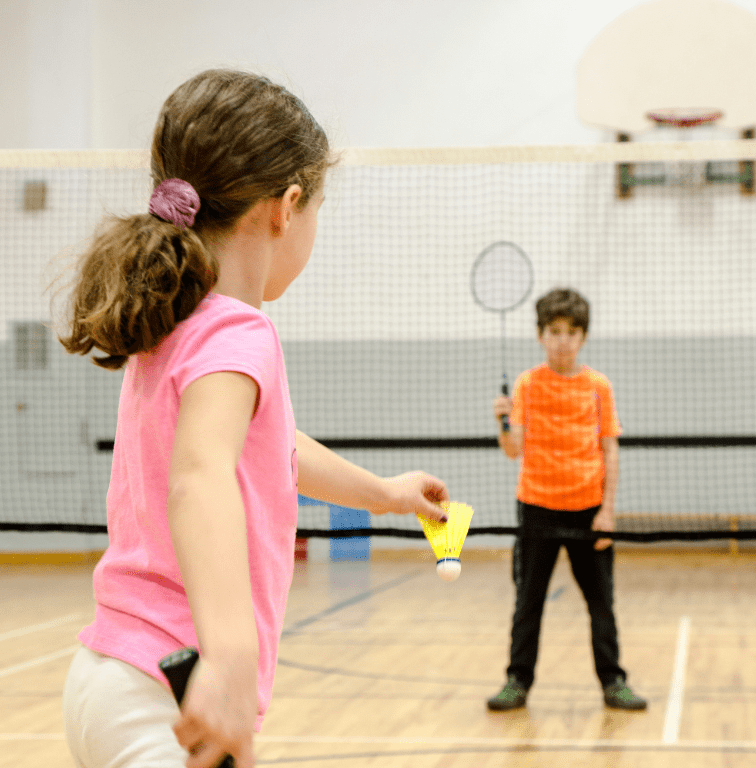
(383, 664)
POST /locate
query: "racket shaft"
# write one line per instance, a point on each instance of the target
(177, 667)
(505, 392)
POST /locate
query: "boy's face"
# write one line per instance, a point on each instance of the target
(562, 342)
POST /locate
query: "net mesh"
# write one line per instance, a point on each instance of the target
(393, 363)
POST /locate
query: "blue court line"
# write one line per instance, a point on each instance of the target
(321, 670)
(349, 602)
(557, 593)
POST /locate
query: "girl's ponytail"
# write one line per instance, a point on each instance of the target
(137, 280)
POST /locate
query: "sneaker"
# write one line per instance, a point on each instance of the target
(511, 696)
(619, 696)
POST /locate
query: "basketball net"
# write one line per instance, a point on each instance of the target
(684, 122)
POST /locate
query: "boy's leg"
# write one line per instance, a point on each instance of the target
(533, 561)
(594, 573)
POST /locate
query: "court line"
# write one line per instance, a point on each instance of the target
(502, 742)
(673, 715)
(7, 671)
(517, 744)
(324, 670)
(40, 627)
(487, 746)
(472, 741)
(297, 625)
(482, 743)
(510, 743)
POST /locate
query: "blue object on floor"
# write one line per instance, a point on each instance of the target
(353, 547)
(341, 518)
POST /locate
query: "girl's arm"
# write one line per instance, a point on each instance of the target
(208, 528)
(324, 475)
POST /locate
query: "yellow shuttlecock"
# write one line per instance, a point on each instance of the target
(446, 539)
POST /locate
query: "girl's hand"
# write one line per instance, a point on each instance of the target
(219, 712)
(414, 493)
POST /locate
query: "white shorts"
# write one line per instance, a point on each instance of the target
(116, 716)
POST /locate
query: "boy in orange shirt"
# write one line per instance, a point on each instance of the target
(563, 423)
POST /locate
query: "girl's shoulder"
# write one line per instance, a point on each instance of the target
(217, 313)
(220, 328)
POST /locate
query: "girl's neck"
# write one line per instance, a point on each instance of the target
(228, 286)
(243, 263)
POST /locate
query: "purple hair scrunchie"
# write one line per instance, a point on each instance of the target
(175, 201)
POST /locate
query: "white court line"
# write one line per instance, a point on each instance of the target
(40, 627)
(673, 715)
(552, 744)
(7, 671)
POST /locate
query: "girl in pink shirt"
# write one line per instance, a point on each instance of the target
(207, 462)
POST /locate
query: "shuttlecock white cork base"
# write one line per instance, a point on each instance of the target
(449, 568)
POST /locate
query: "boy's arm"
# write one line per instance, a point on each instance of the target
(510, 442)
(604, 520)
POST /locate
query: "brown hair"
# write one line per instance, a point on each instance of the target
(563, 302)
(237, 138)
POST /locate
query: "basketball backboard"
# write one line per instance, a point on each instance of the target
(670, 54)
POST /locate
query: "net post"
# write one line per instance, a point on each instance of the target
(745, 168)
(624, 173)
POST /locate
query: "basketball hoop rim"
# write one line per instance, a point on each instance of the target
(684, 118)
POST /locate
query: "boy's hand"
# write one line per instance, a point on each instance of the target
(502, 406)
(604, 521)
(510, 441)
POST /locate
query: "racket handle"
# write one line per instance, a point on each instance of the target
(505, 392)
(177, 667)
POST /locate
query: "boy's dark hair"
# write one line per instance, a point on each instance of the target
(563, 302)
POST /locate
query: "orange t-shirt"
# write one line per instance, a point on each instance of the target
(564, 419)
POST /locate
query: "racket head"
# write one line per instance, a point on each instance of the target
(501, 277)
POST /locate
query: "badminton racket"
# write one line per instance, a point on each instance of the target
(177, 667)
(501, 279)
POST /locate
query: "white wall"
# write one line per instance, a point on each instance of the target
(389, 73)
(45, 77)
(14, 100)
(93, 73)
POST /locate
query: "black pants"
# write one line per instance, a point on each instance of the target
(533, 561)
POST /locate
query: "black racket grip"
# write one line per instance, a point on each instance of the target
(177, 667)
(505, 392)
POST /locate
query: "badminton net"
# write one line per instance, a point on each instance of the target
(391, 361)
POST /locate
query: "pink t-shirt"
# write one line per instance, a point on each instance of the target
(142, 610)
